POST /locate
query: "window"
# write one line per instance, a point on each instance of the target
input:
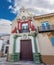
(25, 27)
(6, 50)
(52, 40)
(45, 25)
(7, 41)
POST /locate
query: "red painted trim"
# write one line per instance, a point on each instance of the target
(21, 25)
(14, 30)
(33, 27)
(29, 24)
(18, 25)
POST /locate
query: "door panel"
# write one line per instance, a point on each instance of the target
(26, 50)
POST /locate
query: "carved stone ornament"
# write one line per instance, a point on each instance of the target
(23, 18)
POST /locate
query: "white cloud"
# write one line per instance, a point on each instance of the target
(9, 0)
(5, 26)
(10, 7)
(37, 7)
(26, 0)
(5, 22)
(51, 1)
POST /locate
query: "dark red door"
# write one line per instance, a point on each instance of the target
(26, 50)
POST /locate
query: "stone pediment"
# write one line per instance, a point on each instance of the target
(24, 14)
(24, 21)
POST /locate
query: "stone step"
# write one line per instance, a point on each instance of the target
(16, 63)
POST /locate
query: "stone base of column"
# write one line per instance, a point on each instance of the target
(9, 57)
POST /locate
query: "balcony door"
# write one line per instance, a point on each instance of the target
(45, 25)
(25, 27)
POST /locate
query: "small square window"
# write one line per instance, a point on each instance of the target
(6, 50)
(7, 41)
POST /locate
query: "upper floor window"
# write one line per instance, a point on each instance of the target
(45, 25)
(25, 27)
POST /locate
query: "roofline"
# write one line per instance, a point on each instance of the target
(45, 15)
(5, 35)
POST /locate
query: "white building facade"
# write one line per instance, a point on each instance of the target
(5, 31)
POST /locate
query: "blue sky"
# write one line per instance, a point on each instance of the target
(6, 13)
(10, 8)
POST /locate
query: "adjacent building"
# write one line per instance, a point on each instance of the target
(5, 31)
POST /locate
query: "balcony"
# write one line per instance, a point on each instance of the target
(43, 29)
(23, 30)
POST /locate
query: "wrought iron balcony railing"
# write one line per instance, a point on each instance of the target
(23, 30)
(49, 28)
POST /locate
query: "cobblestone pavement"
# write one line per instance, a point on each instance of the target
(3, 62)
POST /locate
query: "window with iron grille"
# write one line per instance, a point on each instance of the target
(45, 25)
(25, 27)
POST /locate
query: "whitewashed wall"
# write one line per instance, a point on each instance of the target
(11, 44)
(1, 43)
(37, 42)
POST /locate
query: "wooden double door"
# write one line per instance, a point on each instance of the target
(26, 50)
